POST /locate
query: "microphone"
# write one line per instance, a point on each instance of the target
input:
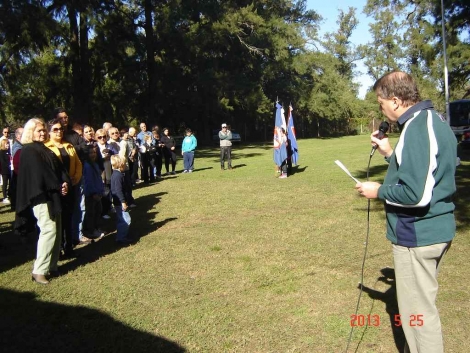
(383, 128)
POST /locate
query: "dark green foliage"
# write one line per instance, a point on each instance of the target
(198, 63)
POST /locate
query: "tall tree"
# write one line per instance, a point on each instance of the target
(339, 43)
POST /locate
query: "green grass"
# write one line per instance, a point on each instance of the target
(241, 262)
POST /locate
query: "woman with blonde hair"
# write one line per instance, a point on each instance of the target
(41, 183)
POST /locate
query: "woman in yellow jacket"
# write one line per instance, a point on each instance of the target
(69, 158)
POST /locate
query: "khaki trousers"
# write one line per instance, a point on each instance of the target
(416, 271)
(49, 240)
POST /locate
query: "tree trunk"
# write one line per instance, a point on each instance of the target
(85, 72)
(149, 44)
(75, 61)
(79, 57)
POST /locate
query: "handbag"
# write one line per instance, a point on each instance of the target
(152, 149)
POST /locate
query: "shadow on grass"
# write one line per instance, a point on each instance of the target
(373, 171)
(215, 153)
(389, 297)
(201, 169)
(31, 325)
(142, 224)
(13, 253)
(297, 169)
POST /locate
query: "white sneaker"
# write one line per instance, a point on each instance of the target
(106, 216)
(6, 201)
(133, 205)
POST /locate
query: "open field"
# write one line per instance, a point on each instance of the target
(241, 262)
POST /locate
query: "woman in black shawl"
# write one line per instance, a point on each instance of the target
(41, 182)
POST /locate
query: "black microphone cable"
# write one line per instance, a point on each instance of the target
(361, 284)
(383, 128)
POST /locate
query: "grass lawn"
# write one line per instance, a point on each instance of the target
(233, 261)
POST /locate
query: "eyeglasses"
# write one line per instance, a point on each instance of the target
(100, 137)
(58, 129)
(115, 133)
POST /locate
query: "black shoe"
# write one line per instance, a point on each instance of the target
(124, 242)
(53, 274)
(69, 254)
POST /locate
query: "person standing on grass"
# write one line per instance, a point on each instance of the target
(285, 162)
(106, 152)
(169, 151)
(120, 194)
(5, 136)
(144, 141)
(68, 156)
(93, 188)
(42, 181)
(133, 155)
(158, 153)
(15, 154)
(5, 161)
(187, 151)
(125, 153)
(225, 136)
(417, 192)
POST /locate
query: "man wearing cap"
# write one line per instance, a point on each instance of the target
(225, 136)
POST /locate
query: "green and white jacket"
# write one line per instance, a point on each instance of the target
(420, 180)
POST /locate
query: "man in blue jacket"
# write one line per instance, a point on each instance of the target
(417, 192)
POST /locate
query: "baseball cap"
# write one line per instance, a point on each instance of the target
(224, 125)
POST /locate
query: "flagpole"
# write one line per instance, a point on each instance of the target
(446, 76)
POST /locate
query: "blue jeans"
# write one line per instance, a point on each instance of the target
(78, 211)
(123, 223)
(188, 158)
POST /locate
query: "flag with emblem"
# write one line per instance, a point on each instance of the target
(280, 150)
(292, 137)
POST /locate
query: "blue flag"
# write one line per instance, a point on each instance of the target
(280, 138)
(292, 137)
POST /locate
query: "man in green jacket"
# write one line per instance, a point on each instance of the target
(417, 192)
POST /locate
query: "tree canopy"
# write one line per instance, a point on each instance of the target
(199, 63)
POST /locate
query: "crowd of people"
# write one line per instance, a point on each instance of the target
(63, 179)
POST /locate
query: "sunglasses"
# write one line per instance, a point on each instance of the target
(57, 129)
(100, 137)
